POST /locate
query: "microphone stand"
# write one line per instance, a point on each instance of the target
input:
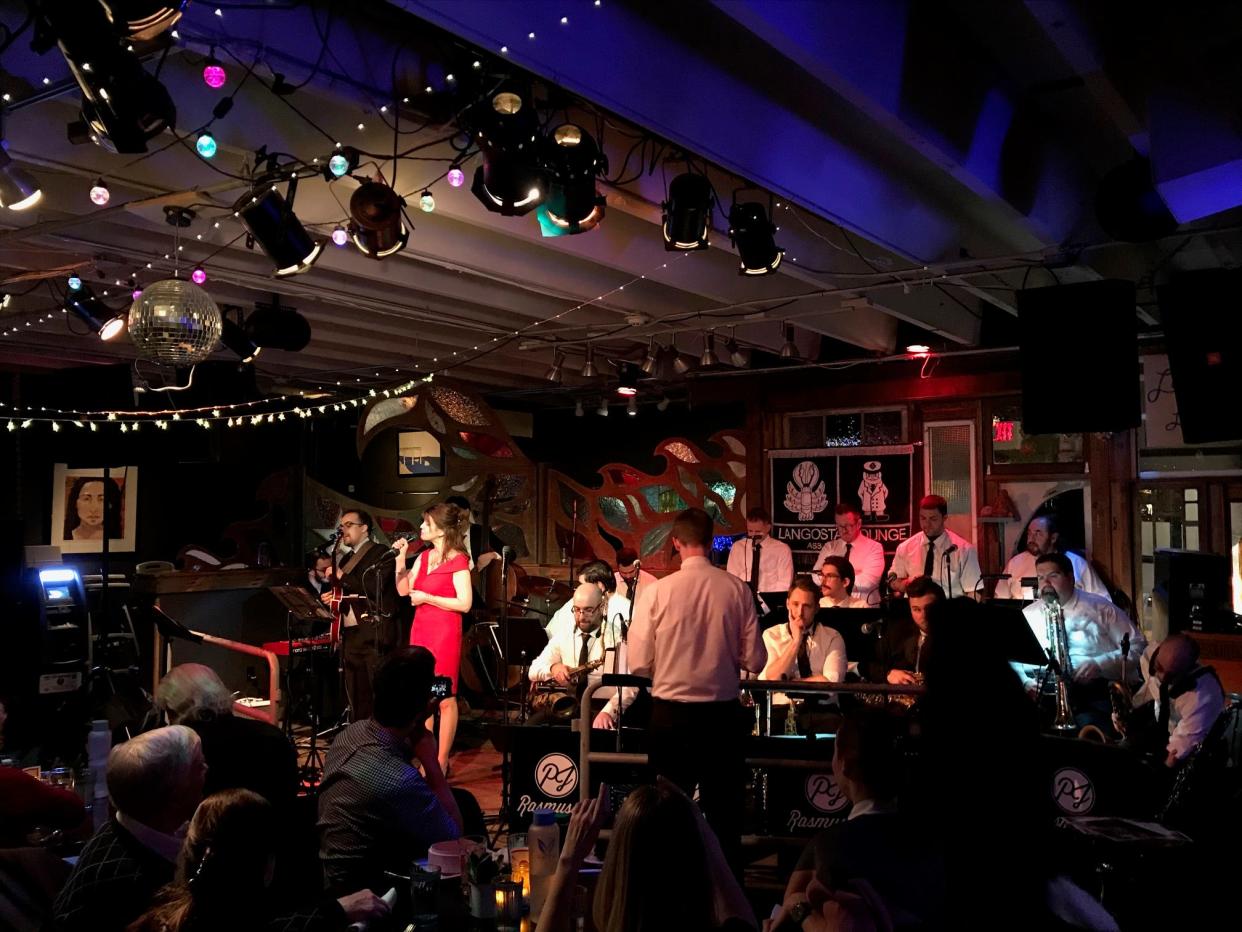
(573, 540)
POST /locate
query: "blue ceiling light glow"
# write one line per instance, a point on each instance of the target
(338, 165)
(74, 283)
(206, 145)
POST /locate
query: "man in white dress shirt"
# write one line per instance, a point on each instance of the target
(1095, 629)
(590, 639)
(865, 555)
(694, 631)
(836, 586)
(630, 574)
(800, 649)
(937, 553)
(599, 574)
(768, 577)
(1178, 704)
(1041, 537)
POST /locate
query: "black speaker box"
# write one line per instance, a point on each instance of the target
(1079, 358)
(1202, 326)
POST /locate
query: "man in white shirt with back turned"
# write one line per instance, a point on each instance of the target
(769, 576)
(694, 631)
(865, 555)
(937, 553)
(1042, 537)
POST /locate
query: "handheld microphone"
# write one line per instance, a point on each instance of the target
(404, 535)
(637, 564)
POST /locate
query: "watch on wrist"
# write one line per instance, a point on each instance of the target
(799, 911)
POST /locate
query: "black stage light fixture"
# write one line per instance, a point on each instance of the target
(276, 327)
(377, 220)
(144, 19)
(18, 189)
(753, 233)
(709, 351)
(555, 374)
(688, 213)
(627, 385)
(271, 222)
(510, 181)
(87, 306)
(650, 361)
(790, 349)
(573, 162)
(588, 368)
(123, 106)
(234, 337)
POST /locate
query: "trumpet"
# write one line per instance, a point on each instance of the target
(1059, 658)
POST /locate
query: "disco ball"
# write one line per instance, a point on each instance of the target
(174, 323)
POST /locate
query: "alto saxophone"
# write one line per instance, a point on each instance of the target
(560, 702)
(1061, 669)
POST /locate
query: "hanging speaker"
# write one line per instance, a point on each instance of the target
(1202, 327)
(1079, 352)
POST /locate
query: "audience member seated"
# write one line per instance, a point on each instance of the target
(664, 869)
(224, 874)
(27, 803)
(875, 844)
(1178, 703)
(376, 811)
(905, 642)
(155, 781)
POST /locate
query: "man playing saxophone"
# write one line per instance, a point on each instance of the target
(591, 638)
(1095, 630)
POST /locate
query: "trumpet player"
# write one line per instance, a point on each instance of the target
(591, 638)
(1095, 630)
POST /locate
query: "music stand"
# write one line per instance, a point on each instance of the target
(1011, 632)
(524, 640)
(301, 606)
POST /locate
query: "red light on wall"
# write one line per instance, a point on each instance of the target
(1002, 431)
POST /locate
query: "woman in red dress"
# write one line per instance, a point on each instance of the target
(439, 587)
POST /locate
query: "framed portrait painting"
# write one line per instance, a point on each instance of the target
(85, 506)
(418, 454)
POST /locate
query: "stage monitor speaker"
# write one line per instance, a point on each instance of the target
(1202, 329)
(1079, 358)
(1195, 587)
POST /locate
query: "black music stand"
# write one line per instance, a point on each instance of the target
(309, 613)
(523, 641)
(1011, 633)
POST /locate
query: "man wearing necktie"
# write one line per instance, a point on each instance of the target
(864, 554)
(631, 577)
(762, 562)
(800, 649)
(937, 553)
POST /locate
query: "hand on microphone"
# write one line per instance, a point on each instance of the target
(400, 546)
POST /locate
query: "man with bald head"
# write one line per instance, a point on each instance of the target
(1178, 702)
(591, 638)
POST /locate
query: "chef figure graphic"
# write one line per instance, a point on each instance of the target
(873, 493)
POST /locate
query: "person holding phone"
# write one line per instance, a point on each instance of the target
(377, 812)
(439, 589)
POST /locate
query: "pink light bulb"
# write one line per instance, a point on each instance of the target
(456, 177)
(198, 276)
(339, 236)
(137, 293)
(214, 75)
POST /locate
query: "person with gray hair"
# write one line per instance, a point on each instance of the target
(155, 782)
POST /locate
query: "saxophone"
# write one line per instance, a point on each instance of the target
(553, 698)
(1062, 670)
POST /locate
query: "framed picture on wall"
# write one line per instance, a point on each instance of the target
(85, 506)
(418, 454)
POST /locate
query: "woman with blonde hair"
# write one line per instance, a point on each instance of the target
(224, 873)
(439, 587)
(664, 871)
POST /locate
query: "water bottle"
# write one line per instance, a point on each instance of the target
(544, 839)
(98, 744)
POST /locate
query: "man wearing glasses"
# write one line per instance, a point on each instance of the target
(589, 639)
(368, 611)
(863, 553)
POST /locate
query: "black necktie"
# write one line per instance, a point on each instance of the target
(848, 548)
(804, 660)
(1163, 718)
(629, 587)
(754, 565)
(583, 657)
(930, 562)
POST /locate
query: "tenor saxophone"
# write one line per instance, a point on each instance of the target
(1062, 670)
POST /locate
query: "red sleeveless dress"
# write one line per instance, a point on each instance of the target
(434, 628)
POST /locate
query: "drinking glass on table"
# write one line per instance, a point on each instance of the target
(424, 889)
(519, 861)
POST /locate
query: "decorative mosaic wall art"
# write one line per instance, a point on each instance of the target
(634, 509)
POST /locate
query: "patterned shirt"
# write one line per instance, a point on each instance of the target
(376, 812)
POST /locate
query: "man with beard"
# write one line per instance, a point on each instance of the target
(1042, 537)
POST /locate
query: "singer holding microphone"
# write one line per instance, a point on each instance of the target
(439, 588)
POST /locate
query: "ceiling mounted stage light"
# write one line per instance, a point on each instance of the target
(122, 104)
(627, 385)
(18, 190)
(790, 349)
(84, 304)
(588, 368)
(378, 222)
(602, 410)
(688, 212)
(144, 20)
(738, 356)
(632, 407)
(709, 351)
(555, 374)
(573, 162)
(272, 326)
(753, 234)
(918, 349)
(651, 359)
(510, 181)
(578, 412)
(232, 336)
(270, 220)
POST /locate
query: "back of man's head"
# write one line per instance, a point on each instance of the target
(1179, 653)
(693, 528)
(924, 585)
(192, 692)
(402, 687)
(1060, 561)
(157, 776)
(599, 573)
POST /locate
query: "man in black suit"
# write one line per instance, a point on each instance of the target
(369, 611)
(903, 647)
(155, 782)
